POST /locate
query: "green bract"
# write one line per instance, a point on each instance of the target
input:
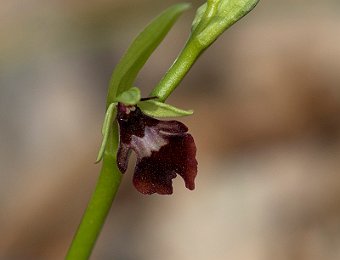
(140, 50)
(158, 109)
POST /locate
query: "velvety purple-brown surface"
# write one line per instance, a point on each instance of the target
(164, 149)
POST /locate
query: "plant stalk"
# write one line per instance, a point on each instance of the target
(99, 205)
(178, 70)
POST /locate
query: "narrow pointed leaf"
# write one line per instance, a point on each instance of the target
(140, 50)
(159, 109)
(129, 97)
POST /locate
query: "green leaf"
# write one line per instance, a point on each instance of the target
(109, 115)
(159, 109)
(129, 97)
(140, 50)
(215, 16)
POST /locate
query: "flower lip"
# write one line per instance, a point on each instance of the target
(163, 149)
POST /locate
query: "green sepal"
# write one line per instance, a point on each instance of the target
(159, 109)
(109, 115)
(129, 97)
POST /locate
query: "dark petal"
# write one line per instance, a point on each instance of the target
(123, 156)
(154, 174)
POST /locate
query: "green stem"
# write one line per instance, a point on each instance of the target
(178, 70)
(99, 205)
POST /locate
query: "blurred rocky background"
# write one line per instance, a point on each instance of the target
(266, 97)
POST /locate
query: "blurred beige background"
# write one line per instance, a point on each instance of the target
(266, 97)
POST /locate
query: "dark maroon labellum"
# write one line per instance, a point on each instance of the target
(163, 148)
